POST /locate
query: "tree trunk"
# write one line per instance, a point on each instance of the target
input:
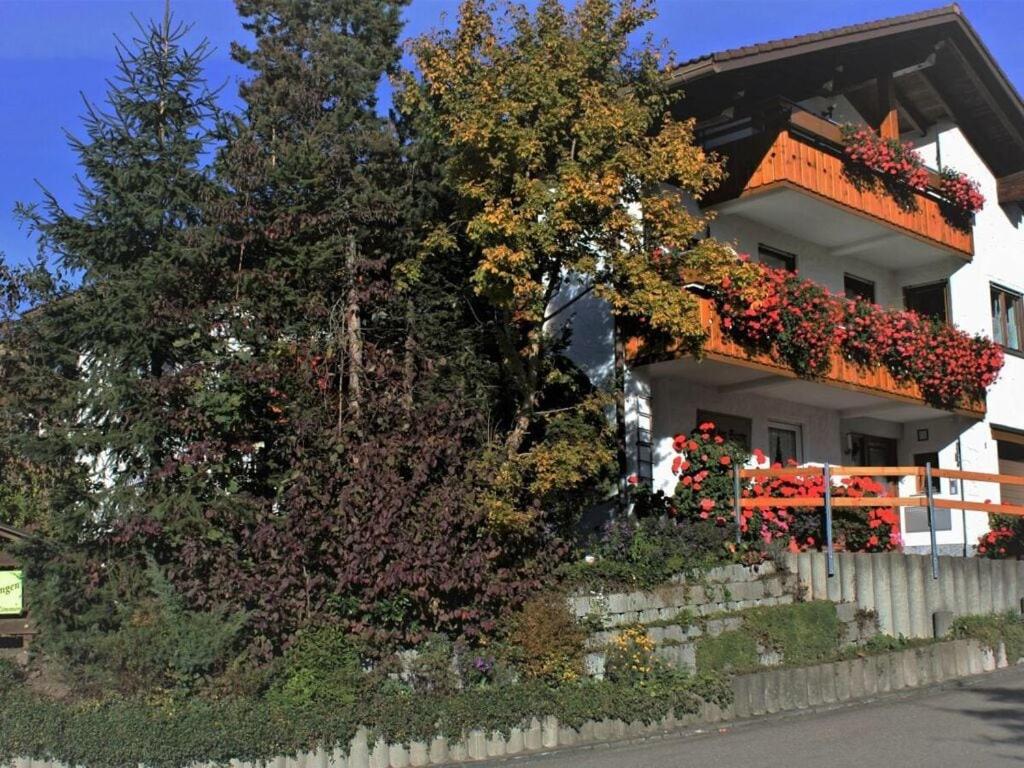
(620, 418)
(353, 334)
(528, 394)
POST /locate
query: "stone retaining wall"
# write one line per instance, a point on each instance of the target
(900, 588)
(720, 590)
(677, 643)
(761, 693)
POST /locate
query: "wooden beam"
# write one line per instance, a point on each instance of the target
(888, 117)
(926, 78)
(1010, 189)
(19, 626)
(986, 96)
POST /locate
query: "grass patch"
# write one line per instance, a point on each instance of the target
(804, 633)
(733, 651)
(1006, 628)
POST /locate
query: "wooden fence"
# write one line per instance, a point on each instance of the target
(926, 473)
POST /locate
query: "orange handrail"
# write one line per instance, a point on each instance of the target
(952, 474)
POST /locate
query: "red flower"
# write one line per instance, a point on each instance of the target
(725, 461)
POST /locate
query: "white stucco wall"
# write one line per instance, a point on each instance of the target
(998, 259)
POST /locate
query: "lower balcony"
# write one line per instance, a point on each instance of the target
(787, 171)
(848, 388)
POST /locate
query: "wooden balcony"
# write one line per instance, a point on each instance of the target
(802, 152)
(845, 374)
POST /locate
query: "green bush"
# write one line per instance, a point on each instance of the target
(11, 675)
(1006, 628)
(639, 554)
(123, 732)
(803, 633)
(323, 667)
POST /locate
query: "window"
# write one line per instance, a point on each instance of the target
(920, 459)
(927, 300)
(776, 259)
(785, 443)
(735, 429)
(858, 288)
(644, 450)
(1007, 318)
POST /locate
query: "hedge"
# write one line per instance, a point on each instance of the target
(127, 732)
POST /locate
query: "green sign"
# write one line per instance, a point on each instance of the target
(10, 593)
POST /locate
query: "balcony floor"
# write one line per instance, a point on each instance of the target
(842, 230)
(739, 380)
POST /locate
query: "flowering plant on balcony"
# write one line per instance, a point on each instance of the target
(892, 159)
(797, 318)
(961, 191)
(803, 325)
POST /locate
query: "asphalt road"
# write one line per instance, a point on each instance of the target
(979, 723)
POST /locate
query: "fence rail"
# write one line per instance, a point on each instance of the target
(826, 501)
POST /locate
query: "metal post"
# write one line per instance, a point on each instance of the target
(829, 554)
(960, 482)
(931, 517)
(736, 499)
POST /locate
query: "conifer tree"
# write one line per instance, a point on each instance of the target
(125, 302)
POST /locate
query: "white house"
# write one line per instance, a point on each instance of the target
(773, 111)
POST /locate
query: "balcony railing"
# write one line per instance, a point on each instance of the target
(843, 373)
(803, 151)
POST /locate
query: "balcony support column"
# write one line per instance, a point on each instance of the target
(888, 117)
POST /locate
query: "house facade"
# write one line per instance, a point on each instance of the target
(775, 112)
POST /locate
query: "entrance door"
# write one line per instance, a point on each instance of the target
(873, 451)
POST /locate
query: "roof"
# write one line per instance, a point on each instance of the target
(836, 36)
(963, 76)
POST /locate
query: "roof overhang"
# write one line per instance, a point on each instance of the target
(941, 66)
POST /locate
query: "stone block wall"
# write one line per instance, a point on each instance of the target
(721, 590)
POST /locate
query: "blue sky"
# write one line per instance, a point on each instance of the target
(52, 51)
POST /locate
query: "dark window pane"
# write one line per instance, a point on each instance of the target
(927, 300)
(920, 459)
(856, 288)
(776, 259)
(736, 429)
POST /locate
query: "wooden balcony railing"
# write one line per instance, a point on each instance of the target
(804, 152)
(843, 373)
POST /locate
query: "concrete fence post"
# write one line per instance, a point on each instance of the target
(918, 604)
(882, 584)
(985, 585)
(963, 603)
(847, 564)
(864, 580)
(942, 623)
(900, 594)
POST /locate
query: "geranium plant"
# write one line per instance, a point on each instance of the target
(1005, 540)
(961, 191)
(704, 465)
(890, 158)
(803, 325)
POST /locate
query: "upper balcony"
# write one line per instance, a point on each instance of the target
(786, 170)
(849, 388)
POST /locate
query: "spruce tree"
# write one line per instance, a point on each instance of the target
(93, 370)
